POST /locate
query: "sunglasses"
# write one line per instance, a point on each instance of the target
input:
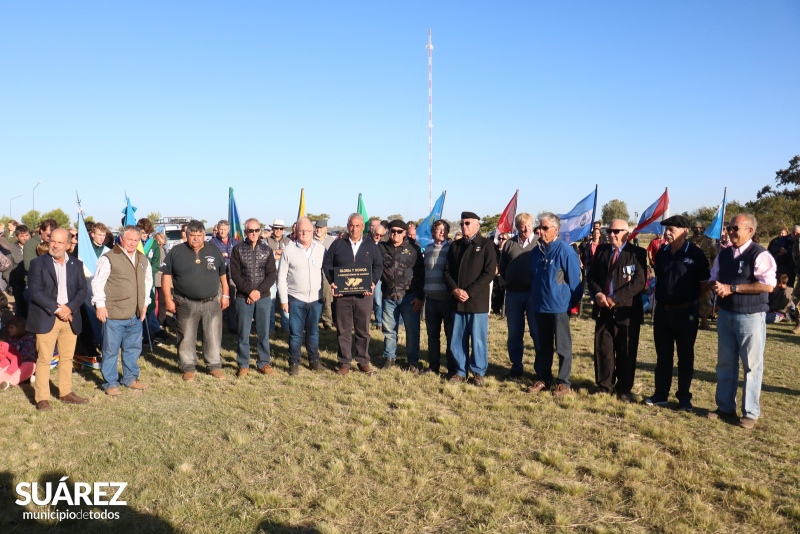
(253, 230)
(396, 231)
(546, 228)
(736, 228)
(615, 231)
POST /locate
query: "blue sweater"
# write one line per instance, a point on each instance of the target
(556, 277)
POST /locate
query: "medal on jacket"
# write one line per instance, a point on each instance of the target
(197, 258)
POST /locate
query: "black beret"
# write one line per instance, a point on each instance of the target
(678, 221)
(469, 215)
(397, 223)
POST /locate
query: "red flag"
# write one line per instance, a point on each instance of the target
(506, 222)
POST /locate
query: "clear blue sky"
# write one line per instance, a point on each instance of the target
(176, 101)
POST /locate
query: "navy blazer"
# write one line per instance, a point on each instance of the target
(43, 289)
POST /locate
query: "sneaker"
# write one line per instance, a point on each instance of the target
(266, 370)
(562, 390)
(316, 365)
(218, 374)
(685, 406)
(294, 369)
(138, 385)
(5, 385)
(188, 376)
(113, 392)
(747, 422)
(242, 372)
(388, 364)
(656, 400)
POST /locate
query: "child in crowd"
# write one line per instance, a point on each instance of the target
(781, 307)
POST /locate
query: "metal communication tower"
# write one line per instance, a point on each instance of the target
(430, 121)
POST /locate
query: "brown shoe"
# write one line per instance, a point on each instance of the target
(218, 374)
(366, 369)
(242, 372)
(561, 390)
(71, 398)
(796, 329)
(44, 406)
(719, 414)
(477, 381)
(316, 365)
(704, 325)
(747, 422)
(457, 379)
(266, 370)
(188, 376)
(113, 392)
(138, 386)
(343, 370)
(537, 387)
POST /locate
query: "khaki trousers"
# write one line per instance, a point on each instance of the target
(45, 344)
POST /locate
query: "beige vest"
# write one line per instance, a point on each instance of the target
(125, 285)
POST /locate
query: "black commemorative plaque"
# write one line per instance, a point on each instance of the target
(352, 280)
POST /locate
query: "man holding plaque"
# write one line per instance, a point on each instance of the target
(469, 270)
(403, 284)
(353, 266)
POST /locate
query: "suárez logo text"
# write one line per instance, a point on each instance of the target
(96, 494)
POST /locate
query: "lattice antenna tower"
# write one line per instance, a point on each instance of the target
(430, 121)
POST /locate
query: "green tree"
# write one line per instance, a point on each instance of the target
(788, 181)
(395, 216)
(489, 223)
(314, 218)
(154, 217)
(615, 209)
(59, 216)
(31, 219)
(86, 219)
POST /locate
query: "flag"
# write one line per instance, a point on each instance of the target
(85, 249)
(506, 222)
(424, 237)
(714, 230)
(301, 211)
(362, 210)
(650, 221)
(233, 218)
(577, 224)
(129, 213)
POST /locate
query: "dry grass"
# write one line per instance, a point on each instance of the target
(397, 453)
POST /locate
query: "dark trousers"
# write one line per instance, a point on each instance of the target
(20, 303)
(554, 336)
(616, 347)
(352, 313)
(229, 317)
(438, 312)
(672, 330)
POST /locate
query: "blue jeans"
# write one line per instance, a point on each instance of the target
(377, 303)
(438, 312)
(393, 310)
(244, 314)
(554, 335)
(188, 317)
(466, 326)
(740, 336)
(303, 318)
(519, 306)
(273, 291)
(124, 334)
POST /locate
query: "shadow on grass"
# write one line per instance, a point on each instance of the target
(711, 377)
(12, 519)
(273, 527)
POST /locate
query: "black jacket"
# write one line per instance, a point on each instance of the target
(471, 266)
(628, 274)
(403, 270)
(340, 254)
(253, 268)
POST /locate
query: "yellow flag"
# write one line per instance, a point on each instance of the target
(301, 211)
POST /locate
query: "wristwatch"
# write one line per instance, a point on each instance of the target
(733, 288)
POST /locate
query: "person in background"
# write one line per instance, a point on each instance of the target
(225, 243)
(321, 236)
(377, 232)
(439, 305)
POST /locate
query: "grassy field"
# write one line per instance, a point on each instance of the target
(402, 453)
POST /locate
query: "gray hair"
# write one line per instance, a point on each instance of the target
(195, 226)
(251, 220)
(750, 218)
(304, 219)
(131, 228)
(353, 216)
(224, 222)
(796, 228)
(552, 217)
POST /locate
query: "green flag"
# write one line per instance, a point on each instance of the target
(362, 210)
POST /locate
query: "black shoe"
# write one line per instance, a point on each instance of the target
(294, 369)
(685, 406)
(388, 364)
(162, 335)
(316, 365)
(656, 400)
(625, 397)
(513, 375)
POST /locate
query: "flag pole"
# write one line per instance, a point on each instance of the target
(594, 208)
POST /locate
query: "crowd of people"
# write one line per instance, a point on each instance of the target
(139, 289)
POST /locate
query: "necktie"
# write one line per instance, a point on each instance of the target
(614, 258)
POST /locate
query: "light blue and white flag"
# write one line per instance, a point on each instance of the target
(714, 230)
(424, 237)
(577, 224)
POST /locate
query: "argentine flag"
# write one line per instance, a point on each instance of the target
(577, 224)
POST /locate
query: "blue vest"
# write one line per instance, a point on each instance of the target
(741, 271)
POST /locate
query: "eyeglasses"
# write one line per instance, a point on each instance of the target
(615, 231)
(396, 231)
(465, 223)
(733, 228)
(546, 228)
(253, 230)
